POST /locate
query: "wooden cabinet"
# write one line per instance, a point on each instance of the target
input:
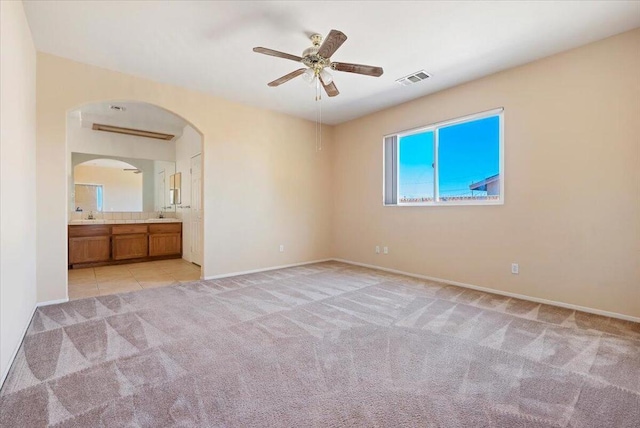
(165, 239)
(130, 246)
(164, 244)
(89, 244)
(111, 244)
(89, 249)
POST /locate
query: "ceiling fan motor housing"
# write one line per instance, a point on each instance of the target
(310, 56)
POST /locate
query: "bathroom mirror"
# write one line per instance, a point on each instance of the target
(120, 184)
(175, 183)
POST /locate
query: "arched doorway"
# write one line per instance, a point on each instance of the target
(147, 166)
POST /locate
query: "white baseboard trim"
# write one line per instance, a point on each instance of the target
(246, 272)
(500, 292)
(5, 373)
(52, 302)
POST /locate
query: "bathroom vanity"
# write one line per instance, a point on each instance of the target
(101, 244)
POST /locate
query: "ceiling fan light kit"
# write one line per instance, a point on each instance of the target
(327, 78)
(317, 58)
(309, 75)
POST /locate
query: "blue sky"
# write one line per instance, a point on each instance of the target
(468, 152)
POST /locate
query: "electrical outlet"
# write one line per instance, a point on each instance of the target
(385, 250)
(515, 268)
(377, 249)
(282, 248)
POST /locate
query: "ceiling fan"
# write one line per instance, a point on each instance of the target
(317, 58)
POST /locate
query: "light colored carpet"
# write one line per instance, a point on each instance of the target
(325, 345)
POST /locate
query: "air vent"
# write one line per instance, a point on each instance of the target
(129, 131)
(416, 77)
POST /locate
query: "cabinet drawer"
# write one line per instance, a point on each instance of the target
(89, 230)
(123, 229)
(165, 228)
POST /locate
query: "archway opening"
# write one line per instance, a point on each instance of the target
(134, 198)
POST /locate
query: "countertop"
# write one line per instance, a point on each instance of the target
(149, 220)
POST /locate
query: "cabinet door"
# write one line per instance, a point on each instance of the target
(165, 244)
(129, 246)
(89, 249)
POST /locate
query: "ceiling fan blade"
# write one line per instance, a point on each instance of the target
(331, 89)
(368, 70)
(287, 77)
(278, 54)
(334, 40)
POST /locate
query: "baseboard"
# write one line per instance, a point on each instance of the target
(246, 272)
(52, 302)
(5, 373)
(500, 292)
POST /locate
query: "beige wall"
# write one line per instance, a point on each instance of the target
(265, 184)
(122, 190)
(571, 217)
(17, 179)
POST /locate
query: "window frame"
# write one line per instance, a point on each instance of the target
(435, 127)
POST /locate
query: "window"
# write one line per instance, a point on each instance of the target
(88, 197)
(449, 163)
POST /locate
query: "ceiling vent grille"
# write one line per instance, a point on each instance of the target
(416, 77)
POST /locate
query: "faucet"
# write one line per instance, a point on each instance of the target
(90, 216)
(160, 214)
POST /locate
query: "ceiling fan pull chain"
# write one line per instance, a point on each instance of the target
(318, 91)
(320, 110)
(318, 114)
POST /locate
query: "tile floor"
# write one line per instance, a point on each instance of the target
(100, 281)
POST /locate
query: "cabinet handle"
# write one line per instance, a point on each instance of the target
(184, 206)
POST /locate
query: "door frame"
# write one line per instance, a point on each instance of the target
(201, 208)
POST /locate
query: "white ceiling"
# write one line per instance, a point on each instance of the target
(207, 46)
